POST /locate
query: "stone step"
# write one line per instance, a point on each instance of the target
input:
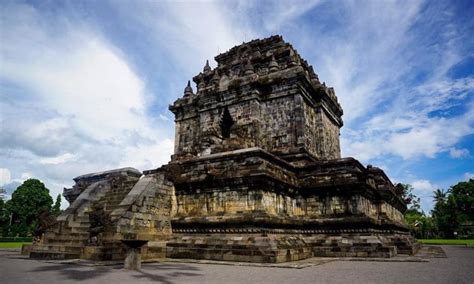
(81, 218)
(65, 242)
(69, 234)
(54, 255)
(58, 248)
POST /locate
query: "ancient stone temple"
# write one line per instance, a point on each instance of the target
(256, 176)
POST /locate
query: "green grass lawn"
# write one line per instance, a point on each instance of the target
(12, 245)
(446, 242)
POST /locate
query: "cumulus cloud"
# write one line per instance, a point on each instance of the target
(72, 103)
(5, 176)
(272, 16)
(386, 111)
(190, 32)
(458, 153)
(409, 135)
(58, 159)
(423, 189)
(423, 185)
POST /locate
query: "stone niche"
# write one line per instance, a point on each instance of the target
(256, 176)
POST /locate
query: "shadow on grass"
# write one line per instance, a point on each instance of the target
(162, 273)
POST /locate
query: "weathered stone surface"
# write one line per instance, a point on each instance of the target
(112, 206)
(256, 176)
(257, 151)
(286, 111)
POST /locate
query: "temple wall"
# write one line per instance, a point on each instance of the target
(279, 128)
(229, 202)
(391, 212)
(330, 147)
(366, 207)
(311, 128)
(187, 136)
(272, 203)
(244, 133)
(277, 124)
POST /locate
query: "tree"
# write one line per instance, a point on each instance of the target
(420, 224)
(3, 212)
(3, 217)
(463, 198)
(454, 208)
(405, 191)
(27, 201)
(2, 193)
(440, 195)
(56, 210)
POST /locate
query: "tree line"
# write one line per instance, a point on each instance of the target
(30, 202)
(451, 217)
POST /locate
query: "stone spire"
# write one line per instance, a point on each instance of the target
(273, 66)
(188, 91)
(206, 68)
(248, 68)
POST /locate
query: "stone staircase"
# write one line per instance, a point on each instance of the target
(70, 237)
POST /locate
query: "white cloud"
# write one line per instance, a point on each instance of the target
(423, 185)
(272, 15)
(407, 135)
(58, 159)
(25, 176)
(149, 157)
(164, 117)
(72, 104)
(190, 32)
(91, 84)
(424, 190)
(458, 153)
(5, 176)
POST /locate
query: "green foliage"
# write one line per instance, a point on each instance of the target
(451, 217)
(2, 193)
(453, 209)
(405, 191)
(422, 226)
(463, 198)
(3, 216)
(56, 210)
(28, 200)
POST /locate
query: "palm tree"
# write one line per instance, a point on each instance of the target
(439, 195)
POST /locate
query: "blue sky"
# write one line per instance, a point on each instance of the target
(85, 85)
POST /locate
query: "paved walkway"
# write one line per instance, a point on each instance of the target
(458, 267)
